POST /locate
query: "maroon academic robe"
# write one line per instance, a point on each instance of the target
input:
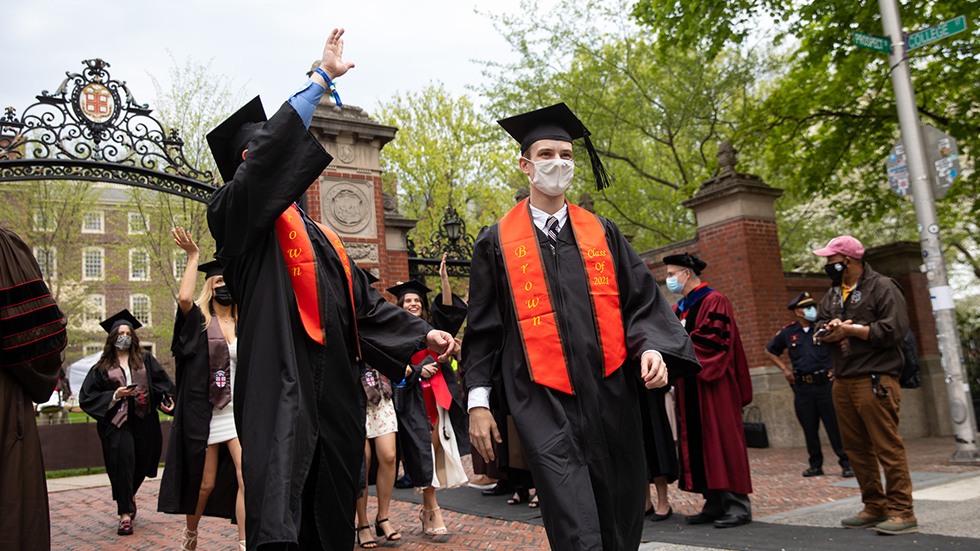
(709, 405)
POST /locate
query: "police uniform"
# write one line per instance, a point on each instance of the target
(812, 391)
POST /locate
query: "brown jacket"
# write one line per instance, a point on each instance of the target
(877, 302)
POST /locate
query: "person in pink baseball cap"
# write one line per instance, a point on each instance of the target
(864, 318)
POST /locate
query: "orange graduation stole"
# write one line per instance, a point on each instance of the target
(297, 251)
(540, 332)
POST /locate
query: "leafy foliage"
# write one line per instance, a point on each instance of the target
(656, 116)
(827, 120)
(445, 154)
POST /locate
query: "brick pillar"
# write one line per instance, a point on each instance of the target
(737, 237)
(348, 196)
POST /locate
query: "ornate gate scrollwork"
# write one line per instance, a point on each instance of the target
(91, 128)
(450, 238)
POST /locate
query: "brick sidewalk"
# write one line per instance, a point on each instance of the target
(85, 520)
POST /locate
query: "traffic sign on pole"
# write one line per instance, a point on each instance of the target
(936, 33)
(873, 42)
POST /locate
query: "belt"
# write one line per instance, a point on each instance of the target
(815, 378)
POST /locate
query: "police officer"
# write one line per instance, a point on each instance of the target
(811, 378)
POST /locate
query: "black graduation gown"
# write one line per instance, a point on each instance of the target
(132, 450)
(413, 422)
(298, 408)
(181, 481)
(585, 450)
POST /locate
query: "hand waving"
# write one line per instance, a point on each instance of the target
(183, 240)
(333, 52)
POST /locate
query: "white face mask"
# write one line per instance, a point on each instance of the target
(552, 177)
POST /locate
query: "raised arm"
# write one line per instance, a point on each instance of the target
(185, 295)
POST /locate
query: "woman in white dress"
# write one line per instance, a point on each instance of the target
(203, 475)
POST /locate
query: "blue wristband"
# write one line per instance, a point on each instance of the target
(330, 86)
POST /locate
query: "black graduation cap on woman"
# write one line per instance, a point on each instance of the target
(556, 122)
(123, 317)
(211, 269)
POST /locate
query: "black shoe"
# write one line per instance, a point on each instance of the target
(731, 521)
(700, 518)
(404, 482)
(503, 488)
(847, 472)
(813, 471)
(657, 517)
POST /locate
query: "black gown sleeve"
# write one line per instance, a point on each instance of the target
(283, 160)
(648, 321)
(448, 318)
(161, 386)
(388, 334)
(484, 337)
(95, 396)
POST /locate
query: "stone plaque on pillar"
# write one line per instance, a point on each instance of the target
(349, 207)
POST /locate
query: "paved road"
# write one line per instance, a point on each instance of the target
(791, 513)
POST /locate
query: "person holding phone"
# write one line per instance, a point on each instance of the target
(203, 475)
(122, 392)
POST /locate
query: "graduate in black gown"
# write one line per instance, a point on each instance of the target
(564, 319)
(122, 392)
(307, 316)
(433, 388)
(203, 471)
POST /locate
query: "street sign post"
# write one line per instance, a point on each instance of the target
(873, 42)
(936, 33)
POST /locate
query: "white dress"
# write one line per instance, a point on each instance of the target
(223, 420)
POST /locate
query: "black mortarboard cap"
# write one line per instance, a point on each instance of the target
(556, 122)
(687, 260)
(802, 300)
(410, 286)
(123, 317)
(211, 269)
(230, 137)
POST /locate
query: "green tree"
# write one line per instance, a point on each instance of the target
(827, 120)
(445, 154)
(655, 116)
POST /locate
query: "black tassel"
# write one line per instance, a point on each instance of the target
(601, 177)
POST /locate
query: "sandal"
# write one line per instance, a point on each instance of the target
(427, 516)
(520, 496)
(378, 530)
(189, 543)
(242, 546)
(533, 504)
(125, 528)
(365, 543)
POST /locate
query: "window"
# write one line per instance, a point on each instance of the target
(47, 259)
(93, 222)
(44, 220)
(94, 312)
(180, 264)
(138, 224)
(139, 306)
(93, 264)
(139, 265)
(92, 348)
(150, 347)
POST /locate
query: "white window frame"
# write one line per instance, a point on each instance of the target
(101, 252)
(149, 308)
(139, 251)
(38, 222)
(180, 264)
(101, 220)
(137, 230)
(50, 260)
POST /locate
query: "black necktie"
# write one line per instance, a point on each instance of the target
(552, 226)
